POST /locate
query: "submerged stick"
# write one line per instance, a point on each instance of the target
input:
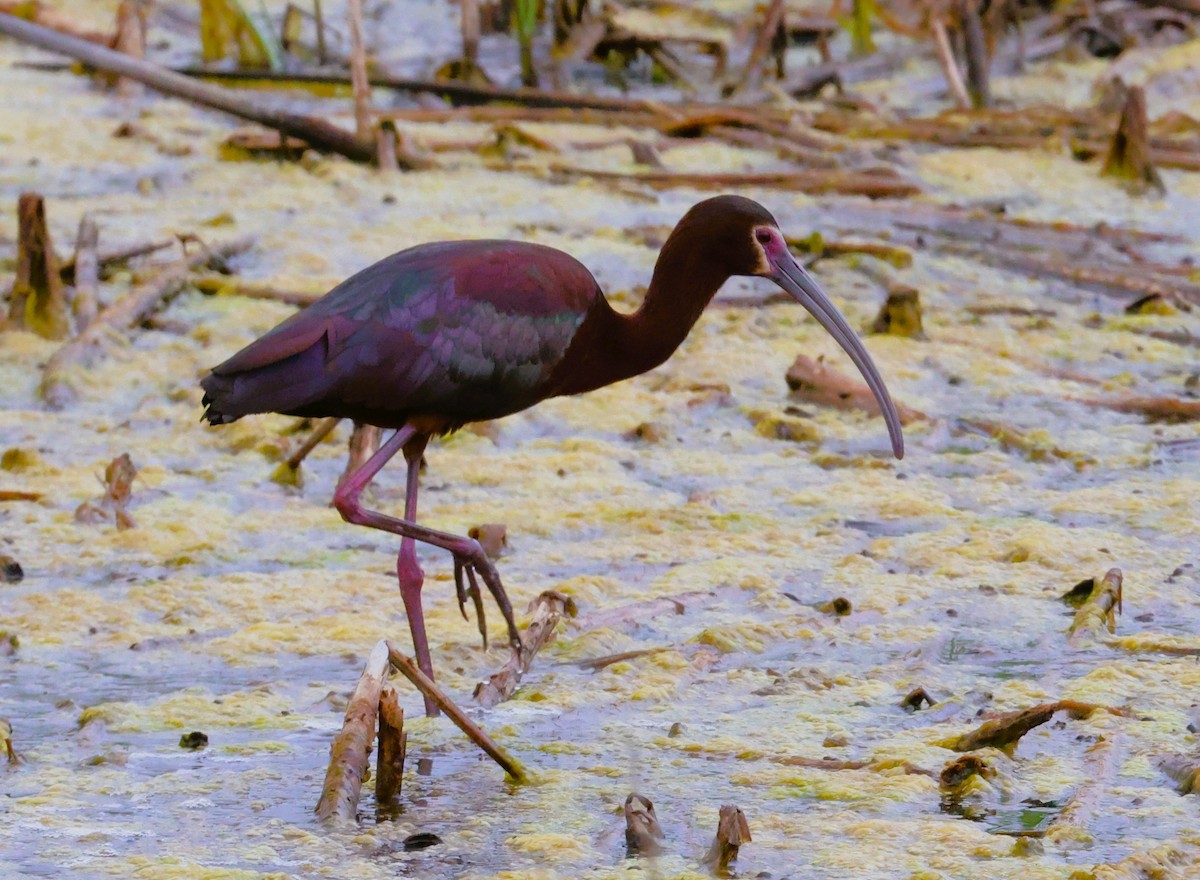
(352, 746)
(124, 313)
(317, 132)
(1101, 763)
(1096, 617)
(474, 733)
(549, 609)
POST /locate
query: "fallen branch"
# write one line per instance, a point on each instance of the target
(352, 746)
(1096, 617)
(124, 313)
(1004, 731)
(817, 182)
(317, 132)
(548, 609)
(429, 689)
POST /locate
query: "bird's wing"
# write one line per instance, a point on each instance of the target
(464, 329)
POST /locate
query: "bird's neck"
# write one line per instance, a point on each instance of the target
(612, 346)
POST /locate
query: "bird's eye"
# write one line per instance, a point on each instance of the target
(763, 236)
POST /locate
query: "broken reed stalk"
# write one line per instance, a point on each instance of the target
(130, 40)
(87, 273)
(358, 71)
(408, 668)
(762, 44)
(976, 52)
(324, 429)
(393, 747)
(1101, 764)
(352, 746)
(38, 301)
(949, 64)
(1096, 617)
(1129, 159)
(732, 832)
(548, 609)
(642, 831)
(316, 132)
(126, 312)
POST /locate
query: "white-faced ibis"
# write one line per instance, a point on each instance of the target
(444, 334)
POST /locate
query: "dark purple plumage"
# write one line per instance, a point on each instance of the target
(464, 331)
(444, 334)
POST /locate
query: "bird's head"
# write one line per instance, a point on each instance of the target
(744, 236)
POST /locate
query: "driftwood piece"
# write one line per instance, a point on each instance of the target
(1129, 159)
(87, 274)
(813, 380)
(548, 609)
(516, 772)
(38, 302)
(1004, 731)
(317, 132)
(1102, 761)
(393, 746)
(643, 834)
(1096, 617)
(732, 832)
(1184, 771)
(124, 313)
(352, 746)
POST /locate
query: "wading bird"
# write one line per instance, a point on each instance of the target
(443, 334)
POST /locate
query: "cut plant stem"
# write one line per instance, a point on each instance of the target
(1129, 159)
(393, 746)
(732, 832)
(38, 301)
(548, 609)
(1096, 617)
(352, 746)
(408, 668)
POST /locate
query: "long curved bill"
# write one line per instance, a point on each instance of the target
(794, 279)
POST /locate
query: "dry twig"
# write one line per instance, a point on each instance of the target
(548, 609)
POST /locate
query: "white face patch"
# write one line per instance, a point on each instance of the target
(768, 242)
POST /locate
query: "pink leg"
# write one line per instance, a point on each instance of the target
(409, 570)
(469, 557)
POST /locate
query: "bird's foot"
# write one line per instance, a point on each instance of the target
(470, 564)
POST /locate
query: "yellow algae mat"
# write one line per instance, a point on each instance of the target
(779, 585)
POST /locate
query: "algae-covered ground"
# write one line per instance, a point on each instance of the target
(245, 609)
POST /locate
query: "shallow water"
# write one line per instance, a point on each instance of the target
(253, 607)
